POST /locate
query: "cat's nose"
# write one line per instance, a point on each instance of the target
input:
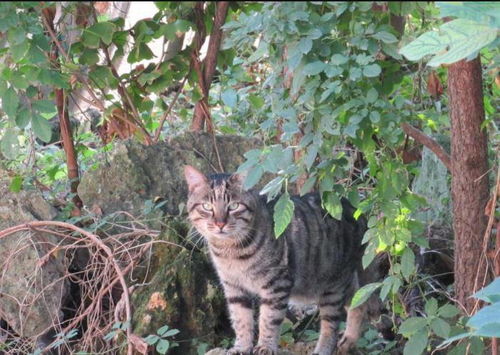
(220, 224)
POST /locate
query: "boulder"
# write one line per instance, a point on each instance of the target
(32, 289)
(134, 174)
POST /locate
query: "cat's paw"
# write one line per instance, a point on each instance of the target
(264, 350)
(345, 344)
(237, 350)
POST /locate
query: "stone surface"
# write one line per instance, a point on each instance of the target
(133, 174)
(31, 291)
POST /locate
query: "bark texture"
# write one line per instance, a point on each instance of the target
(469, 184)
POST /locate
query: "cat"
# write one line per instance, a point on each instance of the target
(316, 260)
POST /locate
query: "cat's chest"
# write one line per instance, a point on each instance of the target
(235, 272)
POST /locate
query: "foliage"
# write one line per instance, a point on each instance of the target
(476, 27)
(486, 322)
(161, 339)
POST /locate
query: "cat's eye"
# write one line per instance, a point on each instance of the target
(233, 206)
(207, 206)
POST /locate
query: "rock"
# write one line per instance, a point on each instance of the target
(26, 309)
(433, 184)
(134, 174)
(183, 293)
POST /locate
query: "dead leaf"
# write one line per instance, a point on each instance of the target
(434, 86)
(157, 301)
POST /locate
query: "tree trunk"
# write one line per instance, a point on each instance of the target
(469, 185)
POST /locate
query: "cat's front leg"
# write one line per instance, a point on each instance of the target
(272, 313)
(241, 313)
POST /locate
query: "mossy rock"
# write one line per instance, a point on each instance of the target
(182, 292)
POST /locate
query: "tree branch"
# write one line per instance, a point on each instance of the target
(428, 142)
(209, 64)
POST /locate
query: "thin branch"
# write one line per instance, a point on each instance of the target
(428, 142)
(167, 112)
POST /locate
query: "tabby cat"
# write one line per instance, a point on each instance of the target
(316, 260)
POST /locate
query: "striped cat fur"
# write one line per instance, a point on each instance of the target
(316, 261)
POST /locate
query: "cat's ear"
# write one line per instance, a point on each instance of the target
(237, 179)
(194, 178)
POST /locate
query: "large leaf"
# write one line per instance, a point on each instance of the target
(230, 97)
(253, 177)
(412, 325)
(407, 263)
(416, 344)
(314, 68)
(331, 203)
(10, 102)
(41, 128)
(487, 315)
(100, 31)
(456, 40)
(9, 144)
(362, 295)
(283, 213)
(484, 12)
(490, 293)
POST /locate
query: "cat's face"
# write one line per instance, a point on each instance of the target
(218, 207)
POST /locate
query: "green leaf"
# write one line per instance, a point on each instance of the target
(305, 45)
(314, 68)
(41, 128)
(490, 293)
(99, 31)
(10, 102)
(407, 263)
(456, 40)
(486, 315)
(89, 57)
(151, 339)
(16, 184)
(484, 12)
(385, 37)
(16, 35)
(372, 70)
(273, 187)
(431, 307)
(230, 98)
(440, 327)
(491, 330)
(386, 287)
(171, 332)
(162, 346)
(45, 106)
(339, 59)
(162, 330)
(283, 213)
(9, 144)
(23, 117)
(448, 311)
(19, 51)
(253, 177)
(412, 325)
(331, 203)
(416, 344)
(362, 295)
(372, 95)
(256, 101)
